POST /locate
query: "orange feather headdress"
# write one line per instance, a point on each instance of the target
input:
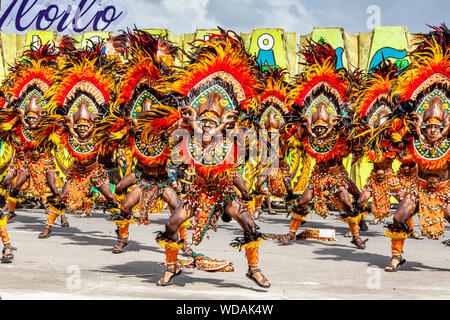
(222, 61)
(374, 112)
(427, 77)
(82, 91)
(148, 58)
(23, 93)
(220, 69)
(275, 91)
(319, 94)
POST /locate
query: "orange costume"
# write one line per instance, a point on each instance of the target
(319, 99)
(220, 80)
(78, 99)
(29, 80)
(271, 115)
(382, 193)
(421, 133)
(148, 180)
(431, 207)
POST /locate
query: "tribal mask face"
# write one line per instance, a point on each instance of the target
(434, 115)
(434, 177)
(32, 113)
(83, 121)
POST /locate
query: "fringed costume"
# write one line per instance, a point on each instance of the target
(216, 85)
(422, 133)
(78, 99)
(32, 174)
(374, 111)
(320, 129)
(148, 184)
(32, 169)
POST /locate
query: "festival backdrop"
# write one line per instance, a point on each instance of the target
(272, 47)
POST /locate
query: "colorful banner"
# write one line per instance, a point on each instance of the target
(272, 47)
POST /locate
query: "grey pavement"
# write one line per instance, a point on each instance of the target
(77, 263)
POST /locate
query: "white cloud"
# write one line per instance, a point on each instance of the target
(185, 16)
(176, 16)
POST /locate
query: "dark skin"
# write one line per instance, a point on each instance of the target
(10, 175)
(343, 196)
(272, 123)
(408, 207)
(32, 123)
(407, 169)
(106, 161)
(234, 208)
(380, 169)
(133, 197)
(104, 189)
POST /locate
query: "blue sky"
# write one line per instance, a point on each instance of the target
(184, 16)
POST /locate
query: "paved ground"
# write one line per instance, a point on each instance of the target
(77, 263)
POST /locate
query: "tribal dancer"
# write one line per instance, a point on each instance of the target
(272, 113)
(320, 96)
(30, 79)
(218, 82)
(149, 181)
(78, 100)
(423, 93)
(373, 110)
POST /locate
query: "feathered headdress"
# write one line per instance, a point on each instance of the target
(374, 111)
(425, 88)
(274, 95)
(81, 94)
(148, 58)
(221, 64)
(273, 111)
(220, 76)
(23, 91)
(318, 96)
